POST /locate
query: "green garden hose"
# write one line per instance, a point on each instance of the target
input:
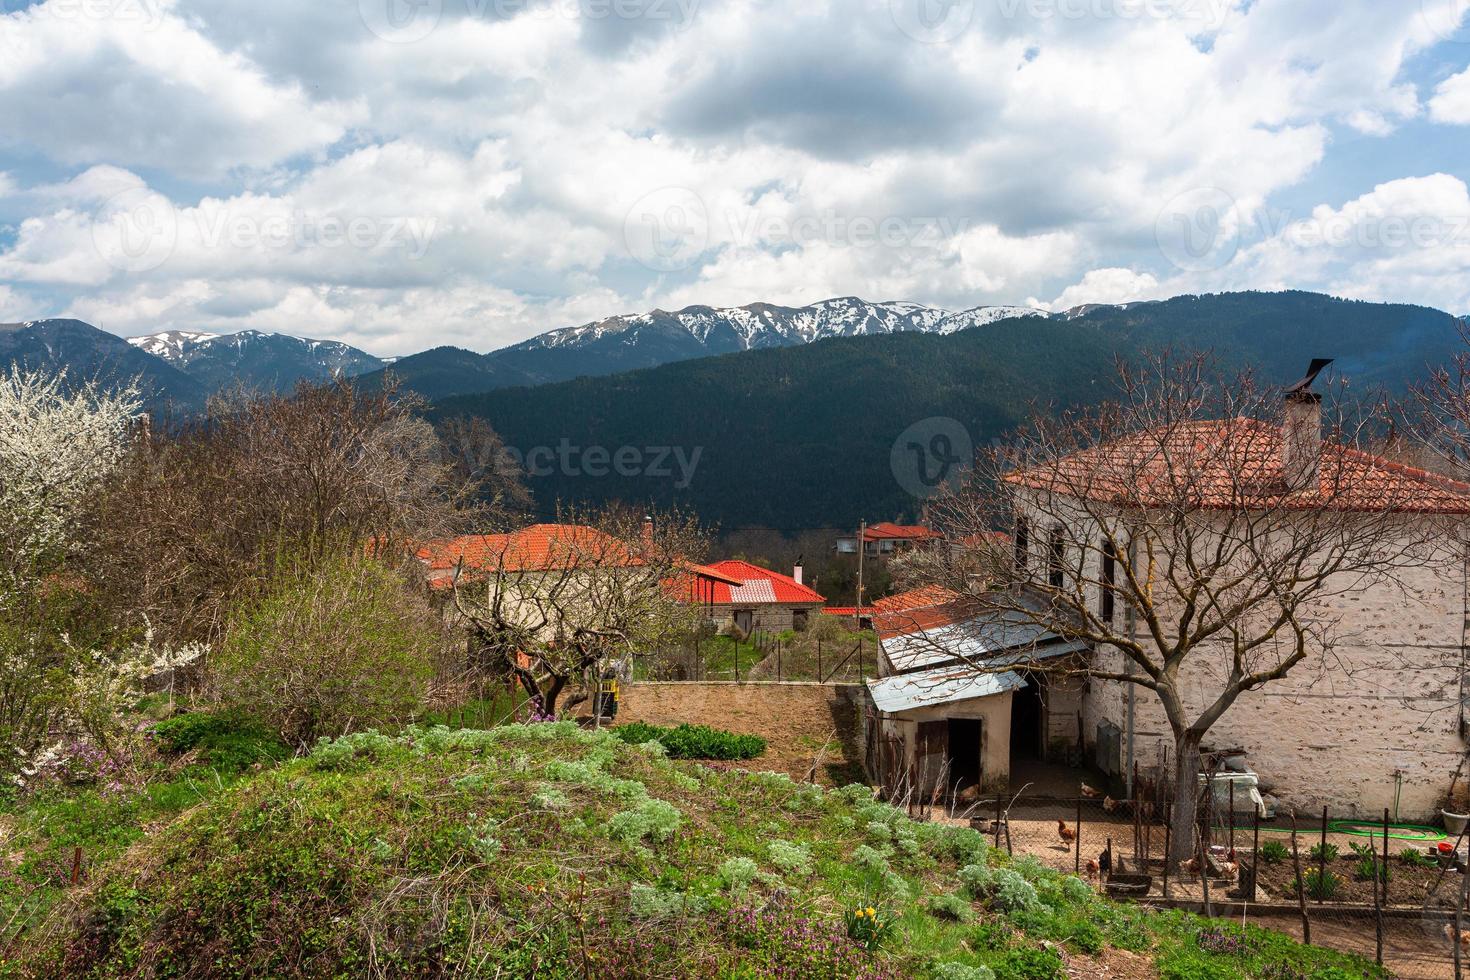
(1367, 828)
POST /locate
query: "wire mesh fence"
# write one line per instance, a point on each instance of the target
(1391, 892)
(845, 659)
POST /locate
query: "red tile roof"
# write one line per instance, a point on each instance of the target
(887, 530)
(760, 585)
(902, 602)
(540, 547)
(1236, 463)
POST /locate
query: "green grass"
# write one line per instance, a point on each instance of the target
(549, 851)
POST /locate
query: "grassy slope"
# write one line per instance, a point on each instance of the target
(550, 852)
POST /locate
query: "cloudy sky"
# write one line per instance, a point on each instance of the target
(405, 173)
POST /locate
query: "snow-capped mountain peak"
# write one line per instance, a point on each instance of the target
(725, 329)
(171, 345)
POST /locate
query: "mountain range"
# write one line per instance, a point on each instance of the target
(809, 436)
(794, 411)
(187, 366)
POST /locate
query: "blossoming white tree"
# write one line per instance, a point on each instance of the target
(58, 440)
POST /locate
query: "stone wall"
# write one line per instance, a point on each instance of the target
(802, 722)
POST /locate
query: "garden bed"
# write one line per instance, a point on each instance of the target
(1408, 885)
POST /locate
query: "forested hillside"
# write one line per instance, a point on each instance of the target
(801, 437)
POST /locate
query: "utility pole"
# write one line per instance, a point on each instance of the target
(857, 614)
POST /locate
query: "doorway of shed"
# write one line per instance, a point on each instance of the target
(1027, 713)
(964, 752)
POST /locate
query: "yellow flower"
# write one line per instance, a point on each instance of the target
(871, 913)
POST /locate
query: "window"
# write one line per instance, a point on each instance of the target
(1056, 565)
(1023, 545)
(798, 620)
(1109, 584)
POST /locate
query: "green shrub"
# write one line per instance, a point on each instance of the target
(1415, 858)
(648, 902)
(951, 907)
(1031, 963)
(1194, 964)
(1274, 852)
(1323, 852)
(1320, 885)
(1368, 866)
(227, 742)
(653, 819)
(789, 857)
(1009, 892)
(960, 971)
(693, 741)
(990, 937)
(338, 645)
(737, 873)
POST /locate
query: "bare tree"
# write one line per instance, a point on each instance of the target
(552, 603)
(201, 509)
(1196, 534)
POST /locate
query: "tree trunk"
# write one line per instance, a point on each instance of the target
(1186, 797)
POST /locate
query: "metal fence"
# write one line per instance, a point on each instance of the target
(764, 657)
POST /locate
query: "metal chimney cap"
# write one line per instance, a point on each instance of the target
(1313, 369)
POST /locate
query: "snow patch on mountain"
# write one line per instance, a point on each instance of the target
(171, 345)
(767, 325)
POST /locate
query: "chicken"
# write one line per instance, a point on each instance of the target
(1189, 867)
(1110, 804)
(1091, 793)
(1067, 834)
(1093, 868)
(1449, 935)
(1229, 870)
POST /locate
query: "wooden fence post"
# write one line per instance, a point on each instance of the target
(1168, 832)
(1255, 854)
(1301, 896)
(1077, 857)
(1322, 861)
(1460, 915)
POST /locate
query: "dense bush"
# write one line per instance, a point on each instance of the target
(329, 648)
(226, 742)
(694, 741)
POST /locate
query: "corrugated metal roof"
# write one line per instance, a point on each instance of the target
(972, 640)
(940, 685)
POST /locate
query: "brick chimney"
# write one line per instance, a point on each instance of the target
(1301, 431)
(796, 571)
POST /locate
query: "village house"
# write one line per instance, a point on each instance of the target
(886, 538)
(1375, 722)
(752, 599)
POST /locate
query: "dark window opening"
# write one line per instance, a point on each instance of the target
(1109, 584)
(1056, 573)
(1023, 545)
(798, 620)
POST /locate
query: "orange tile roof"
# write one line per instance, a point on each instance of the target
(759, 585)
(540, 547)
(1232, 463)
(886, 530)
(889, 609)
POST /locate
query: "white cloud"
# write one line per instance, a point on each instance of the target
(1451, 101)
(1107, 286)
(484, 182)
